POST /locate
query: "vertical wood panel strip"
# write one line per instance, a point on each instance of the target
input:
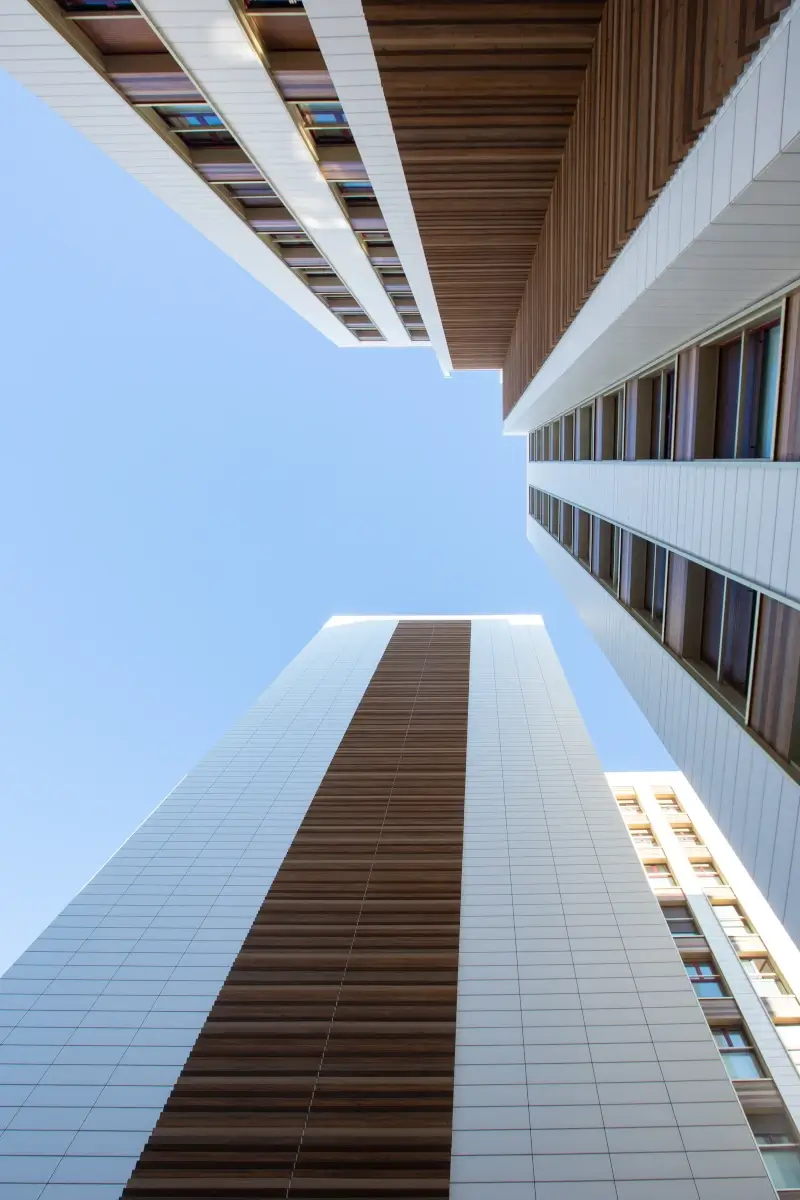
(668, 65)
(326, 1064)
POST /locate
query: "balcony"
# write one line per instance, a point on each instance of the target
(747, 943)
(667, 891)
(784, 1010)
(721, 894)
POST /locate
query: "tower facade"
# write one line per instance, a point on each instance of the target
(663, 467)
(459, 178)
(391, 937)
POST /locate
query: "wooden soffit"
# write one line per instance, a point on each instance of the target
(481, 95)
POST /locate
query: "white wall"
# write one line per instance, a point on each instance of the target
(585, 1069)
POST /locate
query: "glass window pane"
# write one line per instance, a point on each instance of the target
(712, 618)
(741, 607)
(783, 1166)
(742, 1064)
(708, 988)
(768, 399)
(682, 927)
(727, 400)
(733, 1038)
(667, 396)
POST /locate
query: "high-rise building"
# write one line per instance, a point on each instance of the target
(598, 197)
(458, 175)
(391, 938)
(663, 443)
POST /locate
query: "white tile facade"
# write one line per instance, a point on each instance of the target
(346, 45)
(584, 1067)
(723, 234)
(98, 1017)
(741, 517)
(211, 43)
(754, 802)
(41, 60)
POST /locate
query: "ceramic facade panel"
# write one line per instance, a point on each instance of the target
(739, 517)
(566, 964)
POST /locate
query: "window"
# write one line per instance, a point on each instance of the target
(759, 401)
(568, 527)
(778, 1142)
(582, 536)
(608, 426)
(737, 643)
(738, 1056)
(569, 437)
(775, 705)
(730, 359)
(731, 919)
(585, 438)
(687, 837)
(629, 803)
(187, 117)
(711, 631)
(659, 875)
(680, 921)
(763, 977)
(706, 979)
(783, 1165)
(668, 804)
(661, 411)
(655, 582)
(645, 839)
(666, 412)
(604, 551)
(322, 114)
(709, 874)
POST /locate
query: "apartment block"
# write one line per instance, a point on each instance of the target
(392, 937)
(662, 435)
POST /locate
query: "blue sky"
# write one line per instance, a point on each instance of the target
(192, 481)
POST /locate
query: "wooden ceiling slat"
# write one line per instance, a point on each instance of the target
(658, 73)
(481, 97)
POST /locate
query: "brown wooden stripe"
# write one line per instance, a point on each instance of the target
(481, 97)
(658, 72)
(325, 1068)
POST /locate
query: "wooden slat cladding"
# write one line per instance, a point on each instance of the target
(481, 97)
(777, 676)
(325, 1068)
(659, 70)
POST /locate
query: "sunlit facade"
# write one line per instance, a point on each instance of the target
(391, 937)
